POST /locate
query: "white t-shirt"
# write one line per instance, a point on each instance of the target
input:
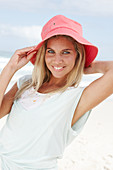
(38, 128)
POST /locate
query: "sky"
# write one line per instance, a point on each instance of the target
(21, 22)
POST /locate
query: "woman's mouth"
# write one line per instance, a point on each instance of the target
(58, 68)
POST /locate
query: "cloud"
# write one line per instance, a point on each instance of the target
(16, 37)
(81, 7)
(91, 7)
(32, 33)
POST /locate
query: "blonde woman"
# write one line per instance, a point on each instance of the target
(48, 109)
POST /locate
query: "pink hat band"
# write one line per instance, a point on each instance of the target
(61, 25)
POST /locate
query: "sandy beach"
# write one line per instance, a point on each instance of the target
(93, 148)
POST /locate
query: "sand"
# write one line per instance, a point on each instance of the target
(93, 148)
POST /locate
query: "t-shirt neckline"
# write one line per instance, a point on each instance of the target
(49, 92)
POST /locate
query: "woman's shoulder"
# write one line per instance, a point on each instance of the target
(23, 79)
(75, 88)
(73, 92)
(26, 77)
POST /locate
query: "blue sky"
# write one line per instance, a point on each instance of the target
(21, 21)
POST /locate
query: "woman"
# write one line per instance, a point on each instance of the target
(47, 110)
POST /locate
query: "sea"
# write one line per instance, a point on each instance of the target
(26, 70)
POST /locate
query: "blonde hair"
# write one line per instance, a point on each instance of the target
(41, 73)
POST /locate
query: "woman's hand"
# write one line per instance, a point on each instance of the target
(20, 58)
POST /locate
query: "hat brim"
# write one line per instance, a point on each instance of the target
(90, 49)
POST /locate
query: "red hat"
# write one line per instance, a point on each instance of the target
(61, 25)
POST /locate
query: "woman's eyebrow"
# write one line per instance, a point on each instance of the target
(62, 49)
(49, 48)
(67, 49)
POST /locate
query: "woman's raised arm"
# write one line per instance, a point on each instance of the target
(17, 61)
(98, 90)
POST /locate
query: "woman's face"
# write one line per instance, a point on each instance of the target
(60, 56)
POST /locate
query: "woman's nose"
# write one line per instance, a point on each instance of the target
(58, 58)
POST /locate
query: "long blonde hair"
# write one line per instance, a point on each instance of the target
(41, 73)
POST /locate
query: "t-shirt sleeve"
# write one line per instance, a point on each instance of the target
(23, 79)
(78, 126)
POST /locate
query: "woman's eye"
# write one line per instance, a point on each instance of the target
(66, 52)
(50, 51)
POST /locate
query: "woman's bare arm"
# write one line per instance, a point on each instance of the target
(98, 90)
(17, 61)
(7, 101)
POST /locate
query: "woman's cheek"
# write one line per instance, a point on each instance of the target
(47, 59)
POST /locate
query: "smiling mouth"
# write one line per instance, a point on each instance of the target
(58, 68)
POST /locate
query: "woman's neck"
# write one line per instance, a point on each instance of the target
(58, 82)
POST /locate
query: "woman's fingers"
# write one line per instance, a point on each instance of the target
(23, 60)
(24, 50)
(29, 56)
(21, 57)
